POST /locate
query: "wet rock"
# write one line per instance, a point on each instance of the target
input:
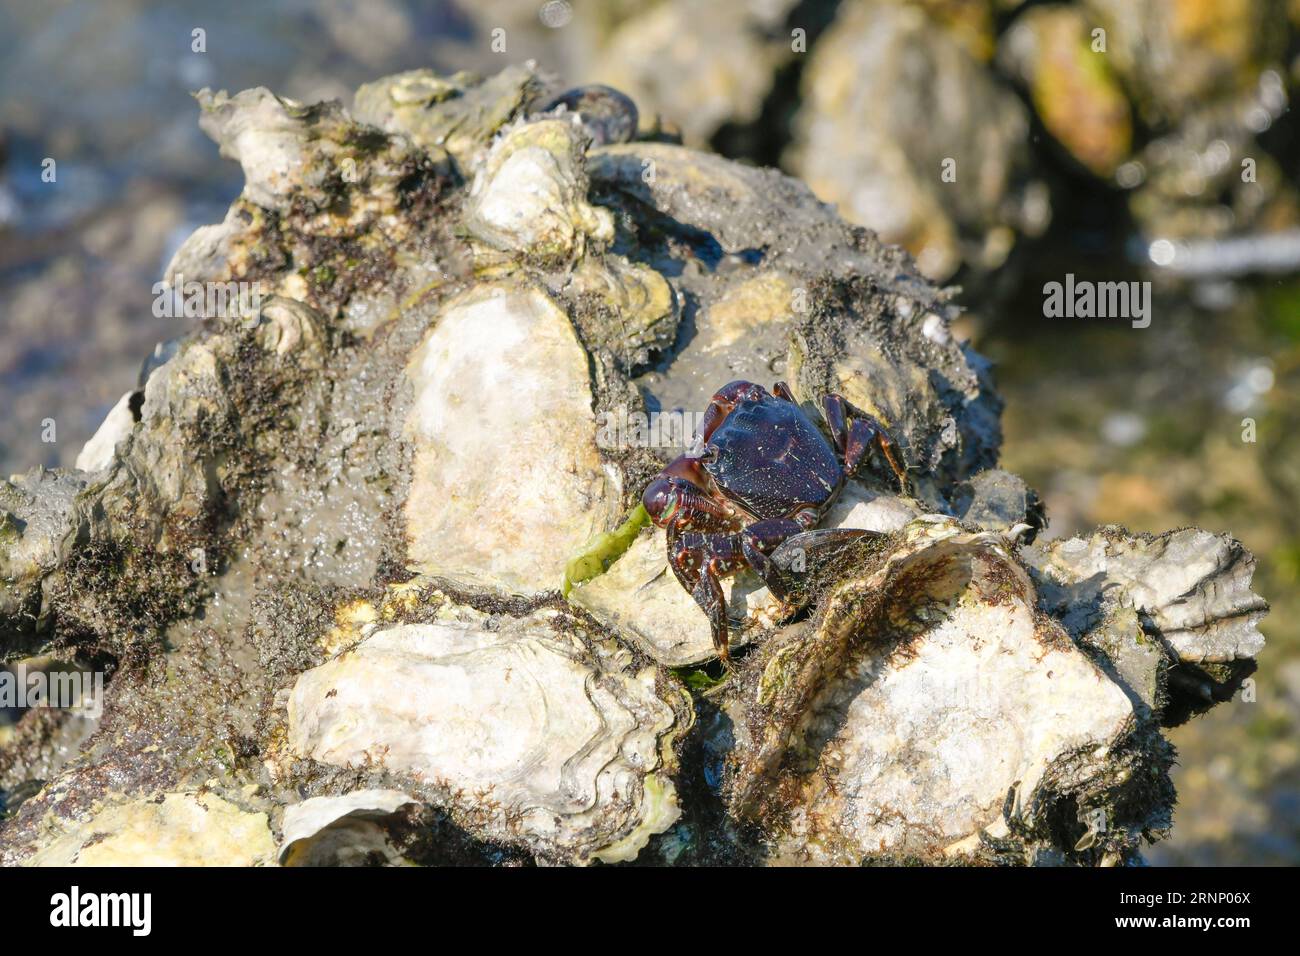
(1072, 85)
(698, 66)
(742, 210)
(331, 553)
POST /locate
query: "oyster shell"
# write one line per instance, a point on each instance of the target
(166, 829)
(897, 721)
(507, 480)
(514, 724)
(341, 831)
(1191, 587)
(529, 196)
(459, 113)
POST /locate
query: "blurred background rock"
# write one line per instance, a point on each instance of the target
(1162, 147)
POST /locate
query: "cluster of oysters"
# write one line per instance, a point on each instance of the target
(369, 577)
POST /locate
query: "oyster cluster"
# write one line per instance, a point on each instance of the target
(433, 626)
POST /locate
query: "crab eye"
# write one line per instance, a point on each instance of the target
(661, 501)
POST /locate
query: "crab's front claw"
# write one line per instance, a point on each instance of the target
(677, 499)
(708, 595)
(699, 560)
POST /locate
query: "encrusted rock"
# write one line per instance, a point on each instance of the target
(459, 113)
(380, 539)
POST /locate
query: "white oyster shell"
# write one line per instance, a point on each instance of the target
(518, 727)
(341, 830)
(1193, 586)
(530, 194)
(98, 452)
(507, 481)
(927, 691)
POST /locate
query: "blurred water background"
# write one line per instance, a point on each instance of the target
(1127, 163)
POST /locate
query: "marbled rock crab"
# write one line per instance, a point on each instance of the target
(759, 473)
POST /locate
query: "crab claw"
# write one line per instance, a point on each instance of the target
(661, 500)
(682, 505)
(679, 497)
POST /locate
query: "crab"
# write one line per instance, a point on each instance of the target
(759, 473)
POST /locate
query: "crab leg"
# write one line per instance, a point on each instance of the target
(722, 404)
(833, 410)
(854, 435)
(699, 560)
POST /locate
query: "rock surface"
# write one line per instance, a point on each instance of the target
(955, 188)
(329, 557)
